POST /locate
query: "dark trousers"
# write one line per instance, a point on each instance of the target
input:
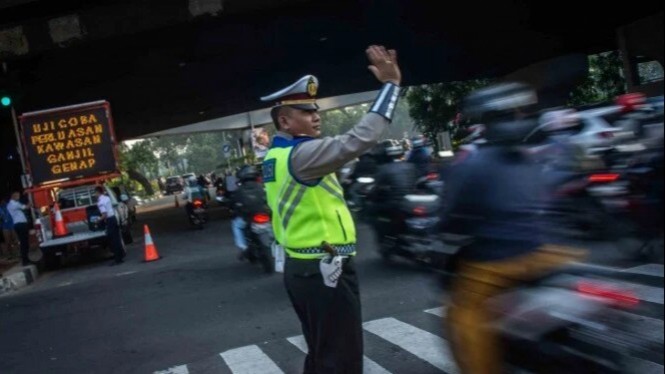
(330, 317)
(24, 238)
(114, 238)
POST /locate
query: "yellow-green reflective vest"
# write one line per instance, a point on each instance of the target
(304, 216)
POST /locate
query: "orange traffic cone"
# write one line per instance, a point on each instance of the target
(150, 248)
(59, 229)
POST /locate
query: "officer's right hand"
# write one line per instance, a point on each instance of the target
(384, 64)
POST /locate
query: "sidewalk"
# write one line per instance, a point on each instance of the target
(17, 277)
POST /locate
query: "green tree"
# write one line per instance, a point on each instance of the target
(605, 80)
(138, 161)
(434, 106)
(339, 121)
(170, 150)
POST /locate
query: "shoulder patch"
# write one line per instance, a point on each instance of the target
(269, 170)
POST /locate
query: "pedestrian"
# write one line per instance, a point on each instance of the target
(112, 226)
(16, 210)
(311, 220)
(8, 234)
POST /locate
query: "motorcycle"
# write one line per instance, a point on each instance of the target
(199, 213)
(412, 231)
(260, 239)
(569, 321)
(358, 192)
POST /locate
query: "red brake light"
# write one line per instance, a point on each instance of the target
(261, 218)
(198, 203)
(631, 101)
(419, 211)
(621, 297)
(604, 178)
(432, 176)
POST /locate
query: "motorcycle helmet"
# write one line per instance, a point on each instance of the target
(248, 173)
(504, 109)
(392, 149)
(418, 141)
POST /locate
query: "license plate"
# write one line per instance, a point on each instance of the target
(261, 227)
(199, 210)
(422, 223)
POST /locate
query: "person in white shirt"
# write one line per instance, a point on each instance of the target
(112, 226)
(16, 208)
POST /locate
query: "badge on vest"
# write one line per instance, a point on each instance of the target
(269, 170)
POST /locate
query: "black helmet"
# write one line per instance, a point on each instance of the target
(498, 100)
(498, 106)
(248, 173)
(392, 149)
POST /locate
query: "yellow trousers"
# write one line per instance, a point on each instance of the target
(475, 347)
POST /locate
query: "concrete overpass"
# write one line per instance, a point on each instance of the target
(168, 64)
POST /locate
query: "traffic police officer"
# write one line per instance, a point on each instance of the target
(310, 217)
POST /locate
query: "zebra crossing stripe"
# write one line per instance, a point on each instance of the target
(645, 293)
(369, 366)
(648, 328)
(182, 369)
(439, 312)
(423, 344)
(638, 366)
(249, 360)
(655, 270)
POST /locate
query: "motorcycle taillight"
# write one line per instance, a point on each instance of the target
(261, 218)
(617, 296)
(419, 211)
(604, 178)
(198, 203)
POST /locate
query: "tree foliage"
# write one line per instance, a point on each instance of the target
(433, 107)
(605, 80)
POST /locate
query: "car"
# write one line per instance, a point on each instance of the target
(130, 200)
(174, 184)
(596, 131)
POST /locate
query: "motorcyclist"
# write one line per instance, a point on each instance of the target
(248, 199)
(420, 155)
(495, 196)
(192, 192)
(394, 180)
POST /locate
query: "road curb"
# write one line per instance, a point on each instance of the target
(17, 278)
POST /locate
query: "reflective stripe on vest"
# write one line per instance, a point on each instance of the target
(305, 216)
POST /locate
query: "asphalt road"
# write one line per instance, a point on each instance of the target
(200, 310)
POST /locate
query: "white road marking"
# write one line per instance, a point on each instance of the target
(182, 369)
(655, 270)
(250, 360)
(420, 343)
(369, 366)
(639, 366)
(126, 273)
(439, 312)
